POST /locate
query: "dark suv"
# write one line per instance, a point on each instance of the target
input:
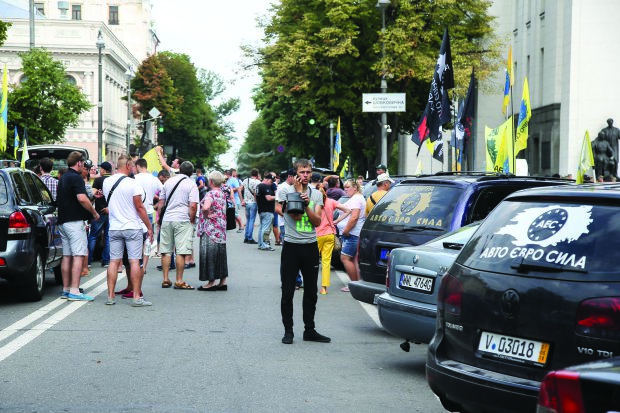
(536, 288)
(29, 237)
(421, 209)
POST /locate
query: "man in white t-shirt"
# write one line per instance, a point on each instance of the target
(126, 214)
(152, 186)
(235, 185)
(249, 201)
(177, 227)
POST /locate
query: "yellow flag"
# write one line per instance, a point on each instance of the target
(499, 156)
(586, 159)
(103, 155)
(525, 113)
(509, 81)
(344, 167)
(152, 161)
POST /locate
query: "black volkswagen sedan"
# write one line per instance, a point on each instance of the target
(537, 288)
(29, 237)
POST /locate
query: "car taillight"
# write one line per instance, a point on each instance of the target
(18, 224)
(2, 262)
(599, 317)
(560, 392)
(450, 295)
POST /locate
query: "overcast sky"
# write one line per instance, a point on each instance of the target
(211, 33)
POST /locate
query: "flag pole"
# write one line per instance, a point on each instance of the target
(514, 133)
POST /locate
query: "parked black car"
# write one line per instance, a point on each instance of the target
(535, 289)
(591, 387)
(421, 209)
(29, 237)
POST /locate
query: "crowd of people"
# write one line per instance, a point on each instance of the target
(121, 207)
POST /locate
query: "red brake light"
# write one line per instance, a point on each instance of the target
(560, 392)
(18, 224)
(450, 295)
(599, 317)
(2, 262)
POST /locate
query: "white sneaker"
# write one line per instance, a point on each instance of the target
(141, 303)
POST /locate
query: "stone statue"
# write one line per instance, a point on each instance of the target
(604, 160)
(612, 135)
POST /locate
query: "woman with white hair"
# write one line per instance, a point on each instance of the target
(212, 232)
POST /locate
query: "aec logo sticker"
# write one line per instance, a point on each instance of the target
(534, 229)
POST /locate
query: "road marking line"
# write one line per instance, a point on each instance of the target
(20, 341)
(370, 309)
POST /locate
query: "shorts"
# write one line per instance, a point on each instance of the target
(130, 238)
(349, 245)
(237, 209)
(176, 234)
(74, 239)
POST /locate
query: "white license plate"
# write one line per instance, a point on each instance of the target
(513, 348)
(416, 282)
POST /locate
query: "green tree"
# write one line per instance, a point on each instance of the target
(257, 142)
(4, 27)
(321, 56)
(45, 102)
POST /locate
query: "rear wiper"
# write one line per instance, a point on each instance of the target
(453, 245)
(523, 265)
(422, 228)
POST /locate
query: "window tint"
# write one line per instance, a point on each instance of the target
(558, 240)
(4, 191)
(34, 191)
(46, 195)
(20, 189)
(488, 199)
(415, 205)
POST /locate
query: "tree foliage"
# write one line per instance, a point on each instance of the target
(171, 83)
(4, 27)
(322, 55)
(257, 143)
(45, 102)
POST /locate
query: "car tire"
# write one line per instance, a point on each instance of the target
(32, 285)
(58, 274)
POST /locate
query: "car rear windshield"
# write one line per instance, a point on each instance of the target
(415, 206)
(549, 240)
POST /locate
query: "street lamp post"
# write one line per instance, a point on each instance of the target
(331, 146)
(100, 46)
(383, 4)
(129, 74)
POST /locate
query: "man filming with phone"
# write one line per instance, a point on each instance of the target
(302, 207)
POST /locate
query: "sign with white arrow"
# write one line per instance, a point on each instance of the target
(383, 102)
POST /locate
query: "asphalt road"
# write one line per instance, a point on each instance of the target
(203, 351)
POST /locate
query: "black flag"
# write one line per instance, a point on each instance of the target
(437, 111)
(461, 134)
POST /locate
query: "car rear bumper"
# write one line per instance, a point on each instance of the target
(479, 390)
(404, 318)
(19, 255)
(365, 291)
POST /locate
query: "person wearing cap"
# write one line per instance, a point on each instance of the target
(103, 223)
(384, 183)
(265, 199)
(315, 179)
(381, 169)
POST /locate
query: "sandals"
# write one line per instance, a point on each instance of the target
(166, 284)
(182, 285)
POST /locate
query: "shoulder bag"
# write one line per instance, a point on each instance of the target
(163, 209)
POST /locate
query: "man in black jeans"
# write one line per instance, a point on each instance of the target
(300, 252)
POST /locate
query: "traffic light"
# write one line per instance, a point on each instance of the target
(160, 125)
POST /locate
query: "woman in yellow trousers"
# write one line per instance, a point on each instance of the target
(326, 234)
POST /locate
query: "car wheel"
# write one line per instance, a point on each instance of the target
(32, 285)
(58, 274)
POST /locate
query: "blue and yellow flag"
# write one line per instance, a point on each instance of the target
(15, 143)
(499, 156)
(586, 159)
(509, 81)
(4, 110)
(525, 113)
(337, 147)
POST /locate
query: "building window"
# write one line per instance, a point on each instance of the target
(113, 17)
(76, 12)
(40, 8)
(71, 80)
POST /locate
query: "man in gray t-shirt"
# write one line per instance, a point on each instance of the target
(300, 252)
